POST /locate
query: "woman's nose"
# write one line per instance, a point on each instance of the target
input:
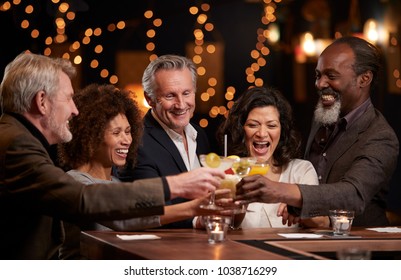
(262, 131)
(127, 139)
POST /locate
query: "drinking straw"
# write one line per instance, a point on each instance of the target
(225, 145)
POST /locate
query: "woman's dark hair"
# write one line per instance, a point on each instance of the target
(98, 105)
(256, 97)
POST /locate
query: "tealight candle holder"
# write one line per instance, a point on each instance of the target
(341, 221)
(216, 227)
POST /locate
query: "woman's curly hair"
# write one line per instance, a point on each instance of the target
(290, 142)
(98, 105)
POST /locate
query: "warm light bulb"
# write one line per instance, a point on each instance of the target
(308, 44)
(370, 30)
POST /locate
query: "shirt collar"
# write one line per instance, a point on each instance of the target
(352, 116)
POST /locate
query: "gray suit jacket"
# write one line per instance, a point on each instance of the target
(35, 195)
(357, 177)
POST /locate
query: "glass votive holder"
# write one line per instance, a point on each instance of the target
(216, 227)
(341, 221)
(353, 254)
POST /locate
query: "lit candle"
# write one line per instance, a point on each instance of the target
(342, 223)
(217, 234)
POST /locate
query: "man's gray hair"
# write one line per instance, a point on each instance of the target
(29, 74)
(167, 62)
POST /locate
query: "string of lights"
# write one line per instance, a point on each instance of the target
(203, 49)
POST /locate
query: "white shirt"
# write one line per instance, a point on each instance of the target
(298, 171)
(190, 159)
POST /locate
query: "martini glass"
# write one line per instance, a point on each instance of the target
(260, 168)
(241, 167)
(214, 161)
(245, 166)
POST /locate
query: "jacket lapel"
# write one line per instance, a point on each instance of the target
(313, 131)
(349, 138)
(157, 132)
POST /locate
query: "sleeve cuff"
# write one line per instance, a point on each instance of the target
(295, 211)
(166, 188)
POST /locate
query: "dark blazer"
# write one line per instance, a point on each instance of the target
(35, 196)
(358, 172)
(158, 156)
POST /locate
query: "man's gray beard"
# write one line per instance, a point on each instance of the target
(61, 132)
(327, 116)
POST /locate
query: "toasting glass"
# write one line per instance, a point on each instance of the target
(245, 166)
(214, 161)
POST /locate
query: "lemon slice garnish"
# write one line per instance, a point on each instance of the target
(234, 157)
(236, 161)
(212, 160)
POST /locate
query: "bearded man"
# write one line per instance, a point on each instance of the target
(352, 147)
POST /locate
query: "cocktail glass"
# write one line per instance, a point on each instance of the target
(260, 168)
(215, 161)
(241, 168)
(246, 166)
(243, 165)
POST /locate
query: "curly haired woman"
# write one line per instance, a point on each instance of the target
(106, 135)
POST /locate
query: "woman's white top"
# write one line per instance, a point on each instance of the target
(298, 171)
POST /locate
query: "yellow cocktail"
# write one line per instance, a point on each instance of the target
(243, 165)
(213, 160)
(259, 168)
(230, 182)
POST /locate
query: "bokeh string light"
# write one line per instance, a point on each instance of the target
(151, 32)
(203, 47)
(203, 29)
(261, 50)
(63, 16)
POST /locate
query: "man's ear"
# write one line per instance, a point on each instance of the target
(365, 79)
(41, 102)
(149, 100)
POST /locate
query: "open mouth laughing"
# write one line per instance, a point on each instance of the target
(261, 147)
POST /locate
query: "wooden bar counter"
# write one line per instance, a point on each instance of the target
(249, 244)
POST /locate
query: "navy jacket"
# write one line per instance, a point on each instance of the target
(158, 156)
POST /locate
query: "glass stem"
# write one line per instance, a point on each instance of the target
(232, 221)
(212, 198)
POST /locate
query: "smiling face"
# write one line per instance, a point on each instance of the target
(175, 98)
(337, 84)
(117, 140)
(61, 109)
(262, 132)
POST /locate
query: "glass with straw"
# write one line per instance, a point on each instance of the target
(245, 166)
(213, 160)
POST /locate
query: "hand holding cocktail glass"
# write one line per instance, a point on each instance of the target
(212, 160)
(257, 188)
(246, 166)
(237, 168)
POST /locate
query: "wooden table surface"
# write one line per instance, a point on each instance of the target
(249, 244)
